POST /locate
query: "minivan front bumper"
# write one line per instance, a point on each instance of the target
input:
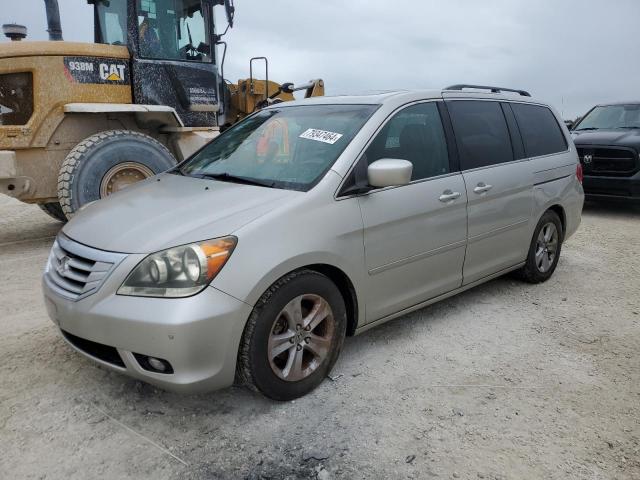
(199, 335)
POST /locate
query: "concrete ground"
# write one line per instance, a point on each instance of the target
(506, 381)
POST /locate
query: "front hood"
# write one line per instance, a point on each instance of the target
(33, 49)
(620, 138)
(170, 210)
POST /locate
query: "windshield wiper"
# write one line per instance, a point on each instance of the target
(587, 128)
(631, 127)
(227, 177)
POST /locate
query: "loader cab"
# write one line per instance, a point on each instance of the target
(173, 55)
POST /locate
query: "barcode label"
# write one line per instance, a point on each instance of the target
(321, 136)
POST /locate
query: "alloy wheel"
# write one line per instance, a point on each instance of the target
(546, 247)
(301, 337)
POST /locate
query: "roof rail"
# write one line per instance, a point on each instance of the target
(485, 87)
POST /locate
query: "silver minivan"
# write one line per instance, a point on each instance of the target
(308, 222)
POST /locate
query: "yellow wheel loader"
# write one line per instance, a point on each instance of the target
(79, 121)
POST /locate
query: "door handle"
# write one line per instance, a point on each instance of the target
(448, 195)
(482, 188)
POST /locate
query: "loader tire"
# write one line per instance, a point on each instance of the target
(54, 210)
(107, 162)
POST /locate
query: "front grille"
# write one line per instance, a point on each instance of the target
(609, 161)
(76, 270)
(98, 350)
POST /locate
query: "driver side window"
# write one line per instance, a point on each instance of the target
(414, 134)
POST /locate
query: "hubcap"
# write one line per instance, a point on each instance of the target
(123, 175)
(301, 337)
(546, 247)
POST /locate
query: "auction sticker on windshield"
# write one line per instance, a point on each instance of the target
(321, 135)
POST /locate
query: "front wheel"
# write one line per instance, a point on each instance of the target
(106, 163)
(293, 336)
(544, 251)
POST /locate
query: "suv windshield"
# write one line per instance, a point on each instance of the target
(287, 147)
(611, 117)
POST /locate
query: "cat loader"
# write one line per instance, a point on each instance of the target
(79, 121)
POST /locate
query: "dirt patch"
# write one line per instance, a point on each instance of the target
(506, 381)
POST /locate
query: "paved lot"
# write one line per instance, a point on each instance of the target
(506, 381)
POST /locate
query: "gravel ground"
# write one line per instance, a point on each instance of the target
(505, 381)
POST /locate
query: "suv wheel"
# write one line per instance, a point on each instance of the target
(544, 250)
(293, 336)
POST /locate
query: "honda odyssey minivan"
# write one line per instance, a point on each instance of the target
(311, 221)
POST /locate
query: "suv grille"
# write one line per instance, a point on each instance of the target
(75, 270)
(610, 161)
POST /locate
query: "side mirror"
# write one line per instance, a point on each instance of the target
(389, 172)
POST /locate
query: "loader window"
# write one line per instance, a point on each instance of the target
(174, 30)
(288, 147)
(111, 22)
(16, 98)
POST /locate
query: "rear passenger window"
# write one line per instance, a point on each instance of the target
(539, 128)
(414, 134)
(481, 133)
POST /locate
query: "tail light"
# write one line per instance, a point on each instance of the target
(579, 172)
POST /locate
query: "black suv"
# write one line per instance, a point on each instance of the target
(608, 143)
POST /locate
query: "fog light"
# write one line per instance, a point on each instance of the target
(153, 364)
(157, 364)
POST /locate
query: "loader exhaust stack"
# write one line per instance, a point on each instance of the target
(53, 20)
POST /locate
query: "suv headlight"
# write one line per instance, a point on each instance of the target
(179, 271)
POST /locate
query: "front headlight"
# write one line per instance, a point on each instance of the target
(179, 271)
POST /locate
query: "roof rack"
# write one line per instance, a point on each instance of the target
(493, 89)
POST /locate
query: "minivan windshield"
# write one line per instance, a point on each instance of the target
(287, 147)
(608, 117)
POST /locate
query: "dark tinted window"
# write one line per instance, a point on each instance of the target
(481, 133)
(539, 128)
(414, 134)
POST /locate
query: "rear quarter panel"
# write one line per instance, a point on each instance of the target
(555, 183)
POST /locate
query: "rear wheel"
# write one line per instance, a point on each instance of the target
(293, 336)
(544, 251)
(106, 163)
(54, 210)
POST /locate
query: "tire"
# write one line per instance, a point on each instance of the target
(261, 371)
(54, 210)
(97, 159)
(536, 269)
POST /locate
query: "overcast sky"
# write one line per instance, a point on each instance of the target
(572, 53)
